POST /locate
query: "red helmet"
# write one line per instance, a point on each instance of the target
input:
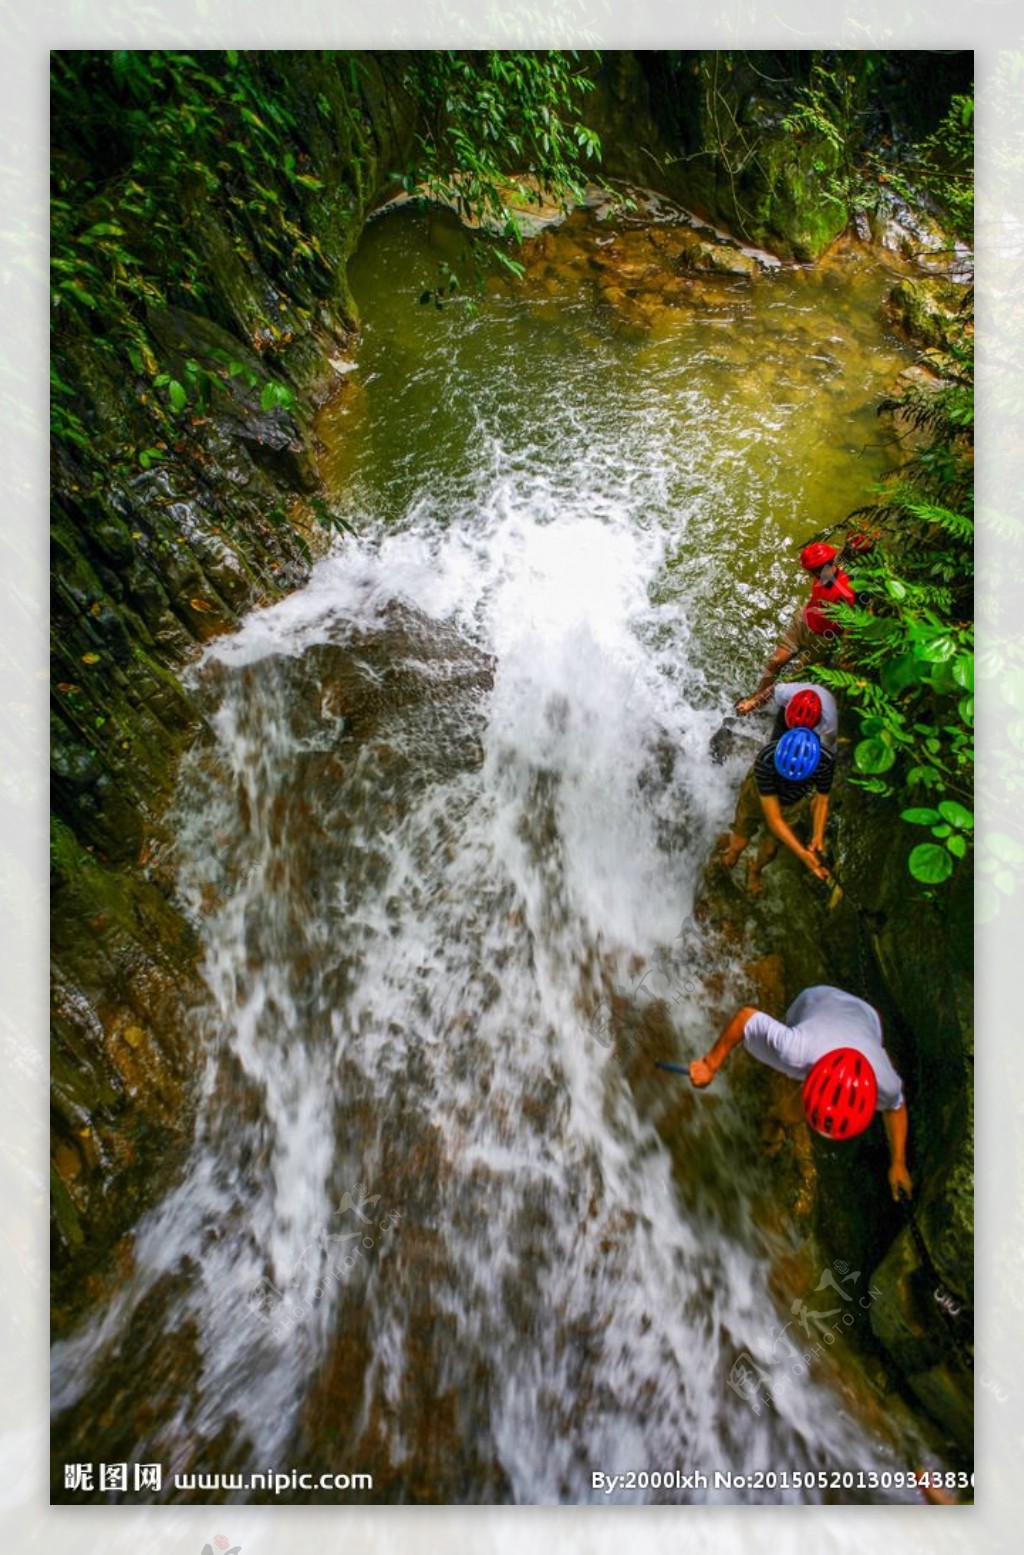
(803, 709)
(840, 1094)
(814, 556)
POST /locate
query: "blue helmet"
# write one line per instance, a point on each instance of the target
(797, 754)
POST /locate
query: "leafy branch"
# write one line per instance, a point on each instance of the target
(908, 655)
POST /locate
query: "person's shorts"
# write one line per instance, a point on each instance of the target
(749, 815)
(798, 637)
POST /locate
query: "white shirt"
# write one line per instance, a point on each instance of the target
(827, 727)
(818, 1021)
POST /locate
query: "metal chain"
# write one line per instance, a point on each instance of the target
(938, 1294)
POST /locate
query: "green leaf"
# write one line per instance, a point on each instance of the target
(920, 816)
(942, 679)
(930, 864)
(941, 831)
(874, 755)
(934, 649)
(963, 671)
(956, 814)
(957, 845)
(965, 707)
(177, 395)
(80, 292)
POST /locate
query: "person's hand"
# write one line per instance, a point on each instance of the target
(814, 864)
(701, 1073)
(746, 705)
(899, 1181)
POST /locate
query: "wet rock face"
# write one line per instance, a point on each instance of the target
(909, 1323)
(920, 956)
(125, 976)
(835, 1197)
(734, 738)
(273, 439)
(151, 561)
(914, 235)
(708, 135)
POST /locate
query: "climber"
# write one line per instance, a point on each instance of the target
(799, 703)
(832, 1042)
(810, 633)
(790, 777)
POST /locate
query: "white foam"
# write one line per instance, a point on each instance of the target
(454, 977)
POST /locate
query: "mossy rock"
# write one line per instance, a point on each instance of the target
(786, 191)
(924, 311)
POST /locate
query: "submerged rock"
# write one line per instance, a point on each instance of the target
(721, 258)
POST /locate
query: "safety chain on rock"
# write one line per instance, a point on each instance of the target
(942, 1299)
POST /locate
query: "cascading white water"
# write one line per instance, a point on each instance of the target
(453, 792)
(420, 920)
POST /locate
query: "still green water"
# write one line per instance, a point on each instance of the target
(739, 420)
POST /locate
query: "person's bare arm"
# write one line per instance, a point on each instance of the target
(757, 699)
(776, 824)
(896, 1127)
(703, 1070)
(783, 655)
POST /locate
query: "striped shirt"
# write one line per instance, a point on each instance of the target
(770, 781)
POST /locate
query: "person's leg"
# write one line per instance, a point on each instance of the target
(745, 822)
(765, 853)
(793, 815)
(734, 845)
